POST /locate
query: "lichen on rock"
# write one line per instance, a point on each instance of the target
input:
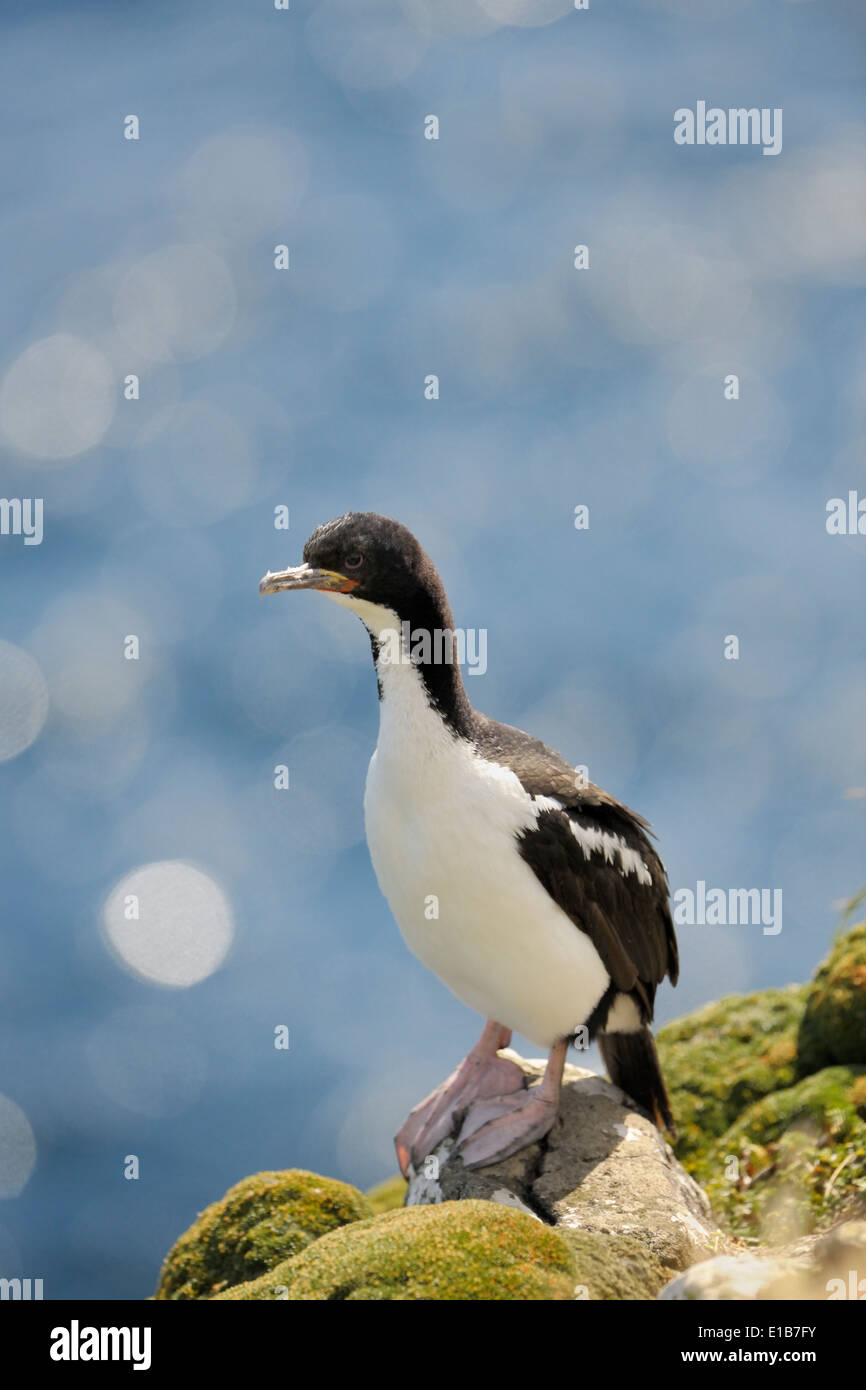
(794, 1161)
(833, 1027)
(723, 1057)
(388, 1195)
(470, 1250)
(258, 1223)
(769, 1091)
(613, 1266)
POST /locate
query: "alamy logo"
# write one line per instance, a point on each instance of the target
(76, 1343)
(847, 520)
(713, 907)
(23, 1289)
(737, 126)
(855, 1288)
(439, 646)
(22, 516)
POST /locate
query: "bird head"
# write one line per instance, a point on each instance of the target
(370, 564)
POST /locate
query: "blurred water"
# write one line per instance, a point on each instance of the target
(152, 778)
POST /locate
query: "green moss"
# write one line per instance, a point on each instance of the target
(858, 1096)
(258, 1223)
(469, 1250)
(833, 1028)
(611, 1266)
(724, 1057)
(794, 1161)
(387, 1195)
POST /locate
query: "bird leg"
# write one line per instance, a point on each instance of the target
(482, 1073)
(495, 1128)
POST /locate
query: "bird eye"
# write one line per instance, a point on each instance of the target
(353, 561)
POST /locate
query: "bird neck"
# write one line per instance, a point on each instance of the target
(416, 660)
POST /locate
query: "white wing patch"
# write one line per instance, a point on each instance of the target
(594, 840)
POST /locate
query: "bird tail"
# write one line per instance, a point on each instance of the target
(633, 1064)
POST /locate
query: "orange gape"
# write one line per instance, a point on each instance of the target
(346, 588)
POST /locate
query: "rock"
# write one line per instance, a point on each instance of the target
(833, 1028)
(837, 1255)
(614, 1266)
(769, 1091)
(604, 1170)
(457, 1251)
(724, 1057)
(821, 1268)
(258, 1223)
(387, 1195)
(734, 1277)
(794, 1161)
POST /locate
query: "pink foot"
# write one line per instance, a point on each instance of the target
(482, 1074)
(497, 1127)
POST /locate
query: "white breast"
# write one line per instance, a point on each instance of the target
(441, 826)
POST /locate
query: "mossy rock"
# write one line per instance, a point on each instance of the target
(724, 1057)
(611, 1266)
(833, 1028)
(472, 1250)
(795, 1161)
(388, 1195)
(258, 1223)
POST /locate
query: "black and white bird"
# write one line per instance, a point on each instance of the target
(553, 911)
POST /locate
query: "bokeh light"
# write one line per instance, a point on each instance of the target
(527, 14)
(243, 184)
(744, 437)
(169, 923)
(17, 1148)
(460, 17)
(810, 220)
(23, 700)
(57, 399)
(81, 644)
(368, 43)
(176, 304)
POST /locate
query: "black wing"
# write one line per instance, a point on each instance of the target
(625, 913)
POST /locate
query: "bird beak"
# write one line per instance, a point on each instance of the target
(306, 577)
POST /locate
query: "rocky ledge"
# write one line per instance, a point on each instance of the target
(763, 1197)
